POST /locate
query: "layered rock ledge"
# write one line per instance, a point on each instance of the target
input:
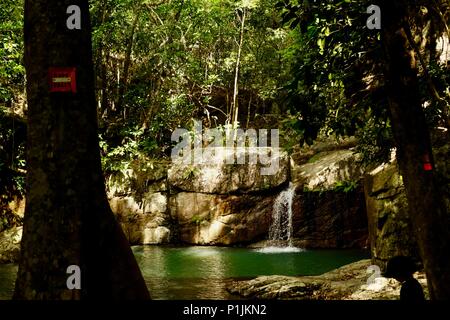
(349, 282)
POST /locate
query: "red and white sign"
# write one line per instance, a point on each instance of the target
(427, 166)
(62, 79)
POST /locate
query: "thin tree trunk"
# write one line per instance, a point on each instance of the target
(101, 63)
(104, 105)
(127, 63)
(235, 106)
(67, 218)
(428, 213)
(248, 111)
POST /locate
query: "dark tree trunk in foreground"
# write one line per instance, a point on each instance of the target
(428, 213)
(68, 220)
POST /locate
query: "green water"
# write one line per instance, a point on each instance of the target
(203, 272)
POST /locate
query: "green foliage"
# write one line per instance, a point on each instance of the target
(12, 128)
(12, 164)
(190, 173)
(11, 50)
(182, 66)
(197, 220)
(315, 157)
(337, 83)
(346, 186)
(327, 37)
(12, 155)
(375, 141)
(293, 133)
(133, 145)
(161, 64)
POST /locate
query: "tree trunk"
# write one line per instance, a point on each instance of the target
(235, 106)
(101, 64)
(67, 218)
(428, 213)
(127, 63)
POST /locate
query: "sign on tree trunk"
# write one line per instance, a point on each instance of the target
(72, 246)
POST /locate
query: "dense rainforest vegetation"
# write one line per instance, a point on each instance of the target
(310, 68)
(161, 64)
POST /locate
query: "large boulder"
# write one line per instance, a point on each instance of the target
(325, 169)
(199, 198)
(221, 219)
(216, 175)
(137, 180)
(349, 282)
(138, 197)
(145, 222)
(390, 230)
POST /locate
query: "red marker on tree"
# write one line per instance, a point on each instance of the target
(427, 165)
(62, 80)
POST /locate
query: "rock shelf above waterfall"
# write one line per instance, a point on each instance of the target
(217, 175)
(327, 168)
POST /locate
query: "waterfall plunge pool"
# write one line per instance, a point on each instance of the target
(203, 272)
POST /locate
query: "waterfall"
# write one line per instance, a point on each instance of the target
(281, 228)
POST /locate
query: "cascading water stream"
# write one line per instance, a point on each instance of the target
(281, 228)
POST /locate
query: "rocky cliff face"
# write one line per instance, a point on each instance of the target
(209, 203)
(218, 175)
(325, 169)
(214, 203)
(139, 198)
(330, 219)
(329, 208)
(219, 204)
(390, 230)
(210, 219)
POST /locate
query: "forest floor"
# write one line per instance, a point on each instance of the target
(349, 282)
